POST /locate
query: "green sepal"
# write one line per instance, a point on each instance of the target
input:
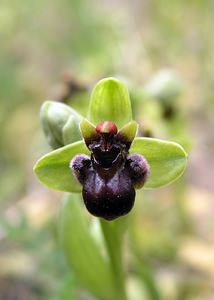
(53, 168)
(167, 160)
(83, 254)
(54, 115)
(110, 101)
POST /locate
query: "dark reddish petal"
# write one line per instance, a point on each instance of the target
(88, 132)
(127, 134)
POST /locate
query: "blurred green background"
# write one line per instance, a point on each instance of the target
(57, 50)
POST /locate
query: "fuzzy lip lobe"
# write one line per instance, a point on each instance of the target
(109, 177)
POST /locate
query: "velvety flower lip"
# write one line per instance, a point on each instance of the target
(110, 175)
(111, 162)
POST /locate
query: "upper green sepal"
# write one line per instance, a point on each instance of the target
(53, 168)
(167, 160)
(110, 101)
(54, 117)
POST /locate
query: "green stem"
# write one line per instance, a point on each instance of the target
(113, 236)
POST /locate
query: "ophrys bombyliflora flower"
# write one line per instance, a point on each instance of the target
(115, 161)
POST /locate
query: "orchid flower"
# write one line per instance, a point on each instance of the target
(101, 155)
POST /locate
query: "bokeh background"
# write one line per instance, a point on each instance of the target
(57, 50)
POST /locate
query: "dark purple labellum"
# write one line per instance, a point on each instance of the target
(108, 197)
(110, 176)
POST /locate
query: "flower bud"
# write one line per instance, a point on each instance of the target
(54, 116)
(71, 130)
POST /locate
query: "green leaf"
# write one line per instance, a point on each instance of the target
(167, 160)
(110, 102)
(53, 168)
(81, 250)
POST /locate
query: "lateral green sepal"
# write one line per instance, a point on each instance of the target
(53, 168)
(167, 160)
